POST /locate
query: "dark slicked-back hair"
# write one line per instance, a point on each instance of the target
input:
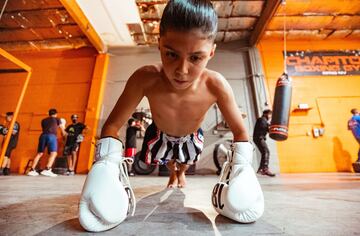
(267, 111)
(52, 111)
(185, 15)
(130, 121)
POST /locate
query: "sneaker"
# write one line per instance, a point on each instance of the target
(70, 172)
(33, 173)
(48, 173)
(6, 171)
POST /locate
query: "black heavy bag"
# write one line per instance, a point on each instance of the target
(356, 166)
(281, 109)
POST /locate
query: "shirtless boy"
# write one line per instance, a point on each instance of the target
(180, 90)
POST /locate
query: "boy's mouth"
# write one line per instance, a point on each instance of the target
(180, 81)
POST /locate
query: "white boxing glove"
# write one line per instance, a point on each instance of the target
(238, 194)
(106, 197)
(62, 123)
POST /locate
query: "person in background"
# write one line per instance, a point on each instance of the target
(260, 131)
(74, 137)
(5, 167)
(130, 143)
(48, 138)
(354, 126)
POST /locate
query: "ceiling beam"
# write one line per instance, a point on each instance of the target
(14, 60)
(266, 15)
(5, 71)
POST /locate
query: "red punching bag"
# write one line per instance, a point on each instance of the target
(281, 109)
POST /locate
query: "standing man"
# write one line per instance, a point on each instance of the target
(259, 136)
(48, 138)
(354, 126)
(130, 143)
(74, 137)
(5, 167)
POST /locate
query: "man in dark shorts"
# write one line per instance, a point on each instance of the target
(260, 131)
(130, 143)
(5, 167)
(73, 139)
(48, 138)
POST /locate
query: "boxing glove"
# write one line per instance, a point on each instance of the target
(4, 131)
(107, 196)
(62, 123)
(238, 194)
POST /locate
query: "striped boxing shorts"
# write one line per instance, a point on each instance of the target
(159, 148)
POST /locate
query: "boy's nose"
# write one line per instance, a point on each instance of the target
(182, 67)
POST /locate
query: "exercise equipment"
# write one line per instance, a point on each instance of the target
(281, 109)
(356, 166)
(140, 167)
(279, 127)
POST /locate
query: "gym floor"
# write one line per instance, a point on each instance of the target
(295, 204)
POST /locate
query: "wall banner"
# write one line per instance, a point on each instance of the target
(302, 63)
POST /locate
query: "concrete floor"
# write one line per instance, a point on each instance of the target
(297, 204)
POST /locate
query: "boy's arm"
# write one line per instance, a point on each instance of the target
(228, 107)
(126, 104)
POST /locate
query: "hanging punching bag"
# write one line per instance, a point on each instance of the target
(281, 109)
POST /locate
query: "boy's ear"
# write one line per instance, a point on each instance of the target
(159, 43)
(212, 53)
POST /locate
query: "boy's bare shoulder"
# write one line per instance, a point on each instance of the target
(215, 81)
(146, 75)
(148, 71)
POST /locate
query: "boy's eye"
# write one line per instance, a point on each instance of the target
(171, 55)
(195, 58)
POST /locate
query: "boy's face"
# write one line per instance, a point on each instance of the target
(184, 55)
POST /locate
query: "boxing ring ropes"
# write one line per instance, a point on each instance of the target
(23, 68)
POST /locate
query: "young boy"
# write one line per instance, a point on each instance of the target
(180, 90)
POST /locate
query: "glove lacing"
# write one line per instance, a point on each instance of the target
(226, 168)
(124, 178)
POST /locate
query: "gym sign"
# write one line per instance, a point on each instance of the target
(300, 63)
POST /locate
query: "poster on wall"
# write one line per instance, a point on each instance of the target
(302, 63)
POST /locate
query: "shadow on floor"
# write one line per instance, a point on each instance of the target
(162, 213)
(229, 227)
